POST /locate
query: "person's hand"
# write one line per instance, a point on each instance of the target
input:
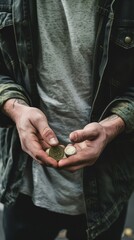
(91, 141)
(33, 129)
(36, 135)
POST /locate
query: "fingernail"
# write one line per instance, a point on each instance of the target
(73, 136)
(53, 141)
(60, 163)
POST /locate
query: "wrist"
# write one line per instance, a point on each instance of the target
(13, 108)
(113, 126)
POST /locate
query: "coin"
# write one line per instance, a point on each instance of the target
(56, 152)
(70, 150)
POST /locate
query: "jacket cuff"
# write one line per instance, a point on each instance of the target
(125, 110)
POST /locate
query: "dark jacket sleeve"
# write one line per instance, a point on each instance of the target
(126, 111)
(9, 89)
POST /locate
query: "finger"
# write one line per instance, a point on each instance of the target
(43, 143)
(76, 166)
(82, 135)
(70, 161)
(46, 133)
(33, 147)
(81, 158)
(49, 136)
(45, 159)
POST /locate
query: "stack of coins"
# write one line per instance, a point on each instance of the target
(59, 152)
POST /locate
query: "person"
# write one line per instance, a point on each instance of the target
(66, 79)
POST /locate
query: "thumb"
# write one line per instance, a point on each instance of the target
(82, 135)
(49, 136)
(45, 132)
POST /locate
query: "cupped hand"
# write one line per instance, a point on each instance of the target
(89, 143)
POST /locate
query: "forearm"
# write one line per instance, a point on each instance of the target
(113, 125)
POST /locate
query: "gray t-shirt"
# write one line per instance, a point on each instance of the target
(66, 40)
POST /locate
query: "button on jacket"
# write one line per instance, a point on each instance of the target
(110, 181)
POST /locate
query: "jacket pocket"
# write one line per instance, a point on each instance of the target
(5, 16)
(120, 67)
(123, 37)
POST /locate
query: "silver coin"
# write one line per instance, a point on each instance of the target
(70, 150)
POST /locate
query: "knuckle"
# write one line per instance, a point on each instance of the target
(47, 132)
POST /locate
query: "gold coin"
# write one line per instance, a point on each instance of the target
(56, 152)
